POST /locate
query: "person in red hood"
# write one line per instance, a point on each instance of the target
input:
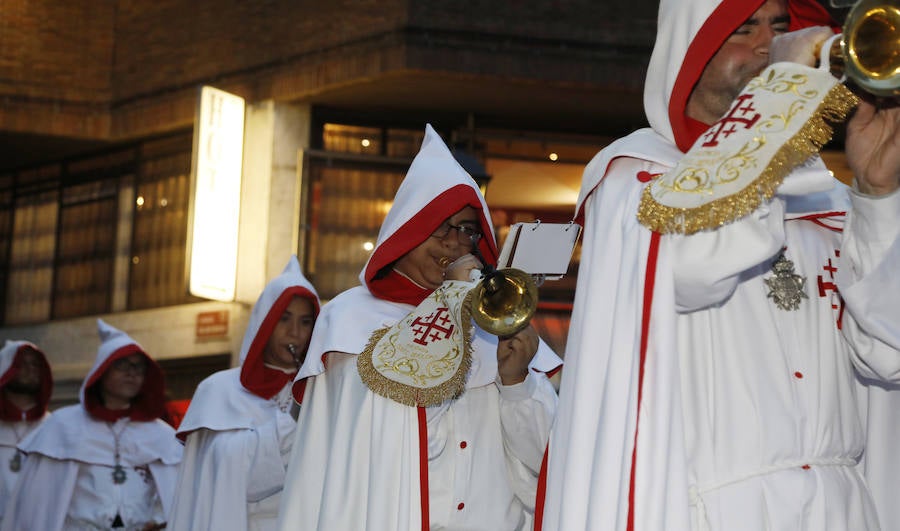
(108, 462)
(412, 418)
(26, 384)
(238, 429)
(712, 366)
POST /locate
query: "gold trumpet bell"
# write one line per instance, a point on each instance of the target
(868, 51)
(504, 302)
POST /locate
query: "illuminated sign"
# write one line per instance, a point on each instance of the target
(216, 194)
(212, 324)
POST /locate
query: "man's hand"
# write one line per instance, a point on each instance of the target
(514, 353)
(873, 145)
(801, 46)
(462, 267)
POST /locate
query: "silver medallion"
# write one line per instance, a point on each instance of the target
(15, 464)
(786, 288)
(119, 475)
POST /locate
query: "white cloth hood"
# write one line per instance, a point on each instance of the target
(223, 401)
(435, 188)
(689, 32)
(8, 356)
(9, 351)
(116, 344)
(112, 342)
(272, 302)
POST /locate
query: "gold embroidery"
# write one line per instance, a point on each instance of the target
(411, 374)
(702, 170)
(779, 82)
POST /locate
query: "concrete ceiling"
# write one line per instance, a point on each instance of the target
(529, 105)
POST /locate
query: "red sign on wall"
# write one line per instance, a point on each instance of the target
(212, 324)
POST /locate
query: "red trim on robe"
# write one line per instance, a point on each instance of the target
(819, 218)
(649, 281)
(541, 492)
(298, 390)
(717, 28)
(552, 372)
(423, 468)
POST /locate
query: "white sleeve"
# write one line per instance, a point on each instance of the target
(526, 413)
(221, 472)
(42, 496)
(165, 477)
(869, 282)
(527, 410)
(707, 265)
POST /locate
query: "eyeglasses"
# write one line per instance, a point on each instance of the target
(465, 234)
(125, 365)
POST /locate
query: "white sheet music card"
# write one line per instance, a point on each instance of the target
(540, 248)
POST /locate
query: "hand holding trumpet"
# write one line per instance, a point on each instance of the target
(866, 53)
(514, 351)
(461, 268)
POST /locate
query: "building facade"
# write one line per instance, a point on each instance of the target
(98, 133)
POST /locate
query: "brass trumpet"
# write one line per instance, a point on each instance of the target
(504, 301)
(868, 50)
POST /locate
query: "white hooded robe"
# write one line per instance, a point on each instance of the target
(67, 480)
(690, 401)
(14, 432)
(365, 462)
(237, 443)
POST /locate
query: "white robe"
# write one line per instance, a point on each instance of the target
(689, 399)
(356, 459)
(362, 461)
(752, 421)
(11, 434)
(235, 457)
(238, 443)
(67, 481)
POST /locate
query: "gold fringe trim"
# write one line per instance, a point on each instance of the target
(814, 134)
(409, 395)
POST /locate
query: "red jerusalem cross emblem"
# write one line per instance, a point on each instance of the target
(742, 114)
(433, 327)
(828, 288)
